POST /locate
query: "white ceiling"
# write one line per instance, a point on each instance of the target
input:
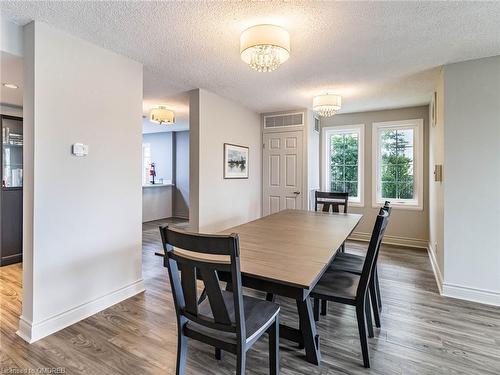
(375, 54)
(11, 71)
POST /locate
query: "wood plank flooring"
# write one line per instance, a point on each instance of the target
(422, 332)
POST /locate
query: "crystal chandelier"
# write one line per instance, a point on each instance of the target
(327, 105)
(265, 47)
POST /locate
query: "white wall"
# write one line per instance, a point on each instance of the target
(436, 208)
(11, 37)
(313, 155)
(161, 153)
(181, 175)
(472, 180)
(11, 110)
(157, 202)
(82, 216)
(223, 203)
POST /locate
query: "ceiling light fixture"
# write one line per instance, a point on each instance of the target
(327, 105)
(265, 47)
(10, 85)
(162, 115)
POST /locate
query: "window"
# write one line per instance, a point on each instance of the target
(398, 163)
(146, 162)
(343, 150)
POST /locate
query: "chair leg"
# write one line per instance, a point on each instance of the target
(377, 287)
(368, 312)
(218, 354)
(360, 315)
(316, 310)
(229, 287)
(324, 307)
(241, 362)
(374, 301)
(182, 347)
(274, 347)
(342, 248)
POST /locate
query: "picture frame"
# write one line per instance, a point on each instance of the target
(236, 160)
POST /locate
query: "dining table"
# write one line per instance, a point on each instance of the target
(285, 254)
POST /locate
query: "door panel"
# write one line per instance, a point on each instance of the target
(282, 171)
(291, 170)
(274, 204)
(291, 202)
(274, 170)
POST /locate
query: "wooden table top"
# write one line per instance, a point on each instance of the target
(292, 247)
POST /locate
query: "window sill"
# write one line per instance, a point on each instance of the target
(400, 206)
(356, 204)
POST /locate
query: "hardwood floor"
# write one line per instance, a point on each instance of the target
(422, 332)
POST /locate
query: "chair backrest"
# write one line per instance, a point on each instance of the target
(373, 249)
(387, 207)
(330, 200)
(199, 256)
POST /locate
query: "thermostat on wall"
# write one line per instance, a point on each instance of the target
(79, 149)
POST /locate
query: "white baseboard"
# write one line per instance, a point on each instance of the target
(487, 297)
(435, 268)
(391, 240)
(32, 332)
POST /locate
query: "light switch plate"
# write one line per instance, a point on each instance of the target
(438, 173)
(80, 149)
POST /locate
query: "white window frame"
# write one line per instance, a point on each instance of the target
(343, 129)
(418, 163)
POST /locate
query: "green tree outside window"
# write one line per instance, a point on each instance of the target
(344, 163)
(396, 156)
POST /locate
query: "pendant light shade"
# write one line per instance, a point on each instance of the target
(327, 105)
(162, 115)
(265, 47)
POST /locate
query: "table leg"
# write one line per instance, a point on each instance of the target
(308, 330)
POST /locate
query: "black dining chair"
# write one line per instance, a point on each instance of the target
(354, 263)
(331, 201)
(226, 320)
(351, 289)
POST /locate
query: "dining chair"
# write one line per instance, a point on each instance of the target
(331, 201)
(226, 320)
(352, 289)
(354, 263)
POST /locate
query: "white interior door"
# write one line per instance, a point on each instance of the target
(282, 171)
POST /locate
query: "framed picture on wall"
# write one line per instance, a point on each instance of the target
(235, 161)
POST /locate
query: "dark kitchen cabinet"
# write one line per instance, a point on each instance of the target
(11, 200)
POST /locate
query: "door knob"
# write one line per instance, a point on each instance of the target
(296, 192)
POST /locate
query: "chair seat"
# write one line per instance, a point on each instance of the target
(336, 285)
(348, 262)
(259, 315)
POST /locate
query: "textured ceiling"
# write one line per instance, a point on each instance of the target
(375, 54)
